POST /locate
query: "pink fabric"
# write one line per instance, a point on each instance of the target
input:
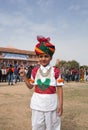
(34, 71)
(57, 72)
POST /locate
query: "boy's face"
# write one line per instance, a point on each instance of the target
(44, 59)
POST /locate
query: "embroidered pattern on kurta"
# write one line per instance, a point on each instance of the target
(43, 85)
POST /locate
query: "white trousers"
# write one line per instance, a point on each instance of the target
(45, 120)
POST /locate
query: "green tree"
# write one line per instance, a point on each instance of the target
(73, 64)
(68, 64)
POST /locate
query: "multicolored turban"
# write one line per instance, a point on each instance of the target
(44, 46)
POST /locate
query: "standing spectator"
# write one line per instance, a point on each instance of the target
(67, 75)
(16, 74)
(4, 73)
(10, 75)
(87, 74)
(82, 74)
(29, 71)
(0, 74)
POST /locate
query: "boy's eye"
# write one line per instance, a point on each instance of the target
(45, 56)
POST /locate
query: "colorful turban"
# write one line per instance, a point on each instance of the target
(44, 46)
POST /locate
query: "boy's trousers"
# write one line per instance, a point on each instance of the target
(45, 120)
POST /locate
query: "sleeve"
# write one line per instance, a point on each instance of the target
(34, 71)
(59, 80)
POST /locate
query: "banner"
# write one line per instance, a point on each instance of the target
(15, 56)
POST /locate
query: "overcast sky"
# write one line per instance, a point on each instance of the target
(64, 21)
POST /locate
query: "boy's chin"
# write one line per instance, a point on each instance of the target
(45, 65)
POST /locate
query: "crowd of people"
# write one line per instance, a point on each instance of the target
(11, 74)
(75, 74)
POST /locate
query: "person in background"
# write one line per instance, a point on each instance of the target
(0, 74)
(86, 74)
(16, 74)
(10, 72)
(29, 71)
(47, 100)
(82, 74)
(4, 74)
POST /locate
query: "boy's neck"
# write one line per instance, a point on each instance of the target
(45, 65)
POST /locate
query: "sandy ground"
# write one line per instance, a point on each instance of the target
(15, 113)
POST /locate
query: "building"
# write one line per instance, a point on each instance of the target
(17, 56)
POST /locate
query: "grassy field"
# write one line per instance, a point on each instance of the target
(15, 113)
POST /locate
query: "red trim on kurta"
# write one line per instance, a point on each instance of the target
(34, 71)
(57, 72)
(49, 90)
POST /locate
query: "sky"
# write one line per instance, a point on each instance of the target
(64, 21)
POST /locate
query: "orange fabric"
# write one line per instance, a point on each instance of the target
(60, 80)
(31, 80)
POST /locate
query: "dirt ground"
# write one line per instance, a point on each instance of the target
(15, 113)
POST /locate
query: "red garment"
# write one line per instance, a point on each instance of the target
(49, 90)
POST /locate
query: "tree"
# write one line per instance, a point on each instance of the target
(61, 63)
(73, 64)
(68, 64)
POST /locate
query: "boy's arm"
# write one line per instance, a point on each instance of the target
(60, 98)
(26, 80)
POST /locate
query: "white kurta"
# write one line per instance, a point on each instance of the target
(45, 102)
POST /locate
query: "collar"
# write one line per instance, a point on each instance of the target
(44, 69)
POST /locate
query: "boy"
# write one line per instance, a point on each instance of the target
(46, 104)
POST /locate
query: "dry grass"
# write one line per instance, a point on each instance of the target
(75, 116)
(15, 113)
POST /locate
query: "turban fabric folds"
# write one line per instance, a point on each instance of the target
(44, 46)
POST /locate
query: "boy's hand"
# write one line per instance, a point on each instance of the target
(29, 82)
(22, 72)
(60, 110)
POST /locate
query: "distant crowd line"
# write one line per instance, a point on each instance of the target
(10, 73)
(75, 74)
